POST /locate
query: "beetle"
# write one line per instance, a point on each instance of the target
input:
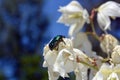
(53, 45)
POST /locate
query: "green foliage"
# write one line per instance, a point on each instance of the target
(31, 67)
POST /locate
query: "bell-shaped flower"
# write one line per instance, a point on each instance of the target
(49, 59)
(69, 60)
(81, 41)
(108, 42)
(106, 11)
(66, 59)
(108, 72)
(51, 55)
(73, 15)
(116, 55)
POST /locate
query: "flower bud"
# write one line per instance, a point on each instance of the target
(108, 42)
(116, 54)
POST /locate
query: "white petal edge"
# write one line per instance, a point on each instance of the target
(75, 28)
(60, 63)
(103, 21)
(73, 6)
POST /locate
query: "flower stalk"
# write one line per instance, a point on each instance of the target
(92, 24)
(93, 66)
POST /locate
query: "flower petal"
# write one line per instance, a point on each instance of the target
(75, 28)
(72, 7)
(52, 75)
(68, 20)
(45, 64)
(86, 16)
(81, 57)
(103, 72)
(110, 8)
(83, 71)
(81, 42)
(50, 57)
(98, 76)
(46, 49)
(116, 57)
(113, 76)
(103, 21)
(63, 64)
(106, 11)
(78, 74)
(69, 44)
(108, 42)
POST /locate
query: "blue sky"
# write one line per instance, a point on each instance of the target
(50, 9)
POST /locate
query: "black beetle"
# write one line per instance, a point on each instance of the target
(55, 42)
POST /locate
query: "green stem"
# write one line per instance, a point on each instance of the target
(94, 32)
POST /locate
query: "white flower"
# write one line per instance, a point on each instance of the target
(73, 15)
(64, 60)
(63, 63)
(108, 42)
(116, 55)
(106, 11)
(113, 76)
(108, 72)
(81, 41)
(50, 57)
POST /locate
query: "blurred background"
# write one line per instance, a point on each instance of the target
(26, 26)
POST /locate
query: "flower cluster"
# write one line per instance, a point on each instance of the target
(63, 55)
(66, 59)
